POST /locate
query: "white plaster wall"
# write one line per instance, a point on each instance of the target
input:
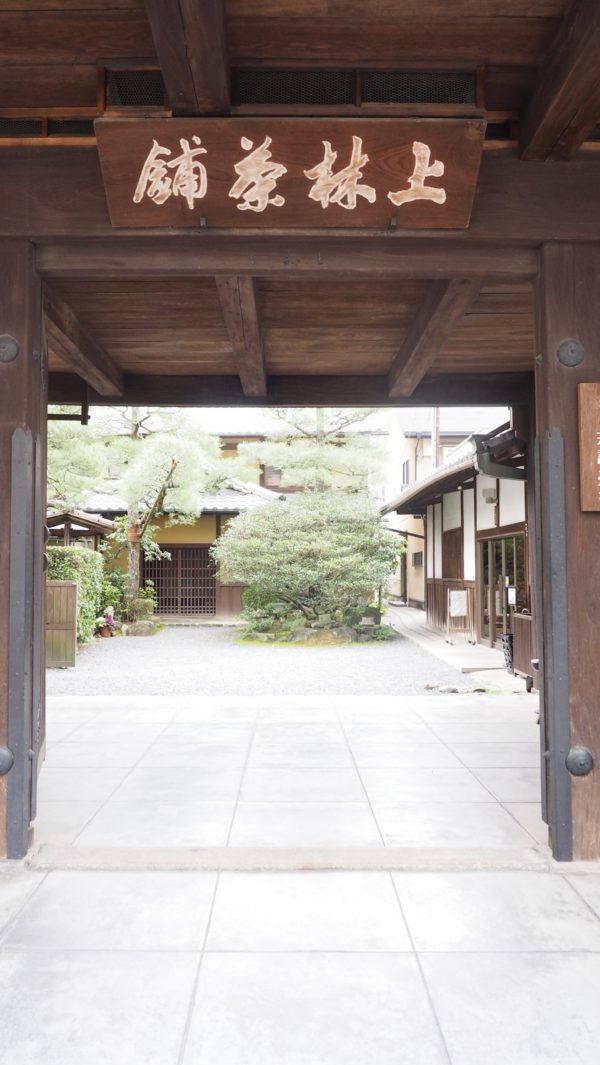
(486, 512)
(512, 502)
(451, 504)
(469, 558)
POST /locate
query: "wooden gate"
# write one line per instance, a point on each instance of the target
(185, 584)
(61, 623)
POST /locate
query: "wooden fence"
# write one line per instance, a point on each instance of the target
(61, 623)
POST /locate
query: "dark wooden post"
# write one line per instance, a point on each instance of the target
(567, 353)
(22, 514)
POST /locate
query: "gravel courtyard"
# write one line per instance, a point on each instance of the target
(184, 660)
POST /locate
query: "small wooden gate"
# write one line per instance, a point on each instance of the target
(185, 585)
(61, 623)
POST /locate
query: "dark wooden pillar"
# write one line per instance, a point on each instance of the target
(567, 353)
(22, 515)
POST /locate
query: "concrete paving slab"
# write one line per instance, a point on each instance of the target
(61, 822)
(301, 785)
(529, 815)
(517, 1009)
(461, 825)
(588, 887)
(495, 912)
(184, 785)
(91, 1007)
(115, 911)
(498, 755)
(399, 754)
(80, 784)
(312, 1009)
(16, 885)
(74, 755)
(418, 783)
(168, 824)
(511, 785)
(304, 824)
(306, 912)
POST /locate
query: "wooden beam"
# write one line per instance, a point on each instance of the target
(565, 104)
(191, 44)
(239, 305)
(279, 256)
(78, 349)
(443, 306)
(453, 390)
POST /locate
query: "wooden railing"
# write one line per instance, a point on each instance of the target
(438, 608)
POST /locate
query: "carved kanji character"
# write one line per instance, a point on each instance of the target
(257, 177)
(341, 188)
(422, 170)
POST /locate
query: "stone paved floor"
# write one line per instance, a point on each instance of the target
(305, 968)
(174, 966)
(437, 771)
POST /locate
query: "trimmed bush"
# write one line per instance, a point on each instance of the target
(87, 569)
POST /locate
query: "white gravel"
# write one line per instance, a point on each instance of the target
(211, 661)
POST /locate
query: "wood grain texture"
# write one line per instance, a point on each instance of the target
(58, 192)
(306, 391)
(568, 305)
(240, 312)
(442, 308)
(520, 41)
(65, 37)
(589, 446)
(191, 46)
(294, 147)
(565, 104)
(78, 349)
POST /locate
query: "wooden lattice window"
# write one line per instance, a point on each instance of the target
(186, 584)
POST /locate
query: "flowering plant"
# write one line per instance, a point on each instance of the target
(107, 620)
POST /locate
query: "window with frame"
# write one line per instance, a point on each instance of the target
(417, 559)
(406, 472)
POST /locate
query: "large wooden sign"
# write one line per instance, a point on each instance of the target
(589, 446)
(278, 173)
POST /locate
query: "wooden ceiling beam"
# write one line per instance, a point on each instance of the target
(328, 390)
(238, 299)
(565, 103)
(191, 44)
(434, 322)
(78, 349)
(291, 256)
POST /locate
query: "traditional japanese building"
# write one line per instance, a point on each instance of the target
(384, 203)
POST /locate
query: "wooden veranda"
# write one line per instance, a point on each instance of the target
(136, 282)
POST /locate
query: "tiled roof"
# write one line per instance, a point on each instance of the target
(232, 498)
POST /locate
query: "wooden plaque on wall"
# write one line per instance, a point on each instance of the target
(290, 173)
(589, 446)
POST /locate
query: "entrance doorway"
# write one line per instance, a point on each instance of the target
(185, 584)
(503, 565)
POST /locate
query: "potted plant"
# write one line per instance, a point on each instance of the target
(106, 624)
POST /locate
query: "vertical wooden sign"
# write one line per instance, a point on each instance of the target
(589, 446)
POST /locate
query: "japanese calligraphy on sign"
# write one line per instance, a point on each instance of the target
(589, 446)
(290, 172)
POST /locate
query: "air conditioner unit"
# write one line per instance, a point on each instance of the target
(490, 495)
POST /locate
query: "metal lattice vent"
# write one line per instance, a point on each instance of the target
(271, 86)
(294, 87)
(135, 88)
(416, 87)
(69, 127)
(20, 127)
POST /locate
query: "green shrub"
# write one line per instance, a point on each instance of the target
(87, 569)
(114, 587)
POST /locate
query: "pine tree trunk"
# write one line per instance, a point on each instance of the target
(133, 564)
